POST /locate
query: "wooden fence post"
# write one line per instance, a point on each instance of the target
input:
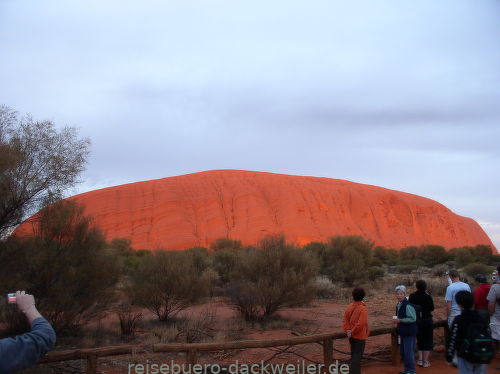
(327, 354)
(91, 364)
(396, 358)
(191, 357)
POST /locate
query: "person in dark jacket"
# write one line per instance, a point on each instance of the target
(425, 326)
(406, 320)
(25, 350)
(458, 330)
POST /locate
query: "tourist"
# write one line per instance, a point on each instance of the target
(480, 294)
(406, 320)
(425, 325)
(493, 298)
(355, 325)
(464, 328)
(452, 308)
(25, 350)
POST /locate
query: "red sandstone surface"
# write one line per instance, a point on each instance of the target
(196, 209)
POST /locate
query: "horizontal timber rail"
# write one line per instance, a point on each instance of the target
(191, 349)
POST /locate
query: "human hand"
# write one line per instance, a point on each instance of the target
(24, 301)
(396, 321)
(349, 333)
(26, 304)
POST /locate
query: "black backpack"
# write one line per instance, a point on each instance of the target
(477, 345)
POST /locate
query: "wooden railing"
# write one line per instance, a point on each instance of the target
(191, 350)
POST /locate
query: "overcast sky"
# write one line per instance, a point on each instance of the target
(399, 94)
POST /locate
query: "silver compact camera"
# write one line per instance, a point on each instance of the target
(11, 298)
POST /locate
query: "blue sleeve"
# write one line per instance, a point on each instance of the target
(25, 350)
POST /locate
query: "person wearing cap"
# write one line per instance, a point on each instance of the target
(25, 350)
(406, 320)
(480, 293)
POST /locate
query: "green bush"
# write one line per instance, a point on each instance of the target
(375, 272)
(476, 268)
(347, 258)
(462, 256)
(267, 279)
(386, 256)
(225, 243)
(432, 255)
(223, 262)
(317, 250)
(408, 254)
(168, 282)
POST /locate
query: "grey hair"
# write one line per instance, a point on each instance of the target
(400, 288)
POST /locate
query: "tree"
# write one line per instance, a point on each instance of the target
(38, 163)
(65, 264)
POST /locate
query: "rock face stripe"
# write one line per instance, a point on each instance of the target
(195, 209)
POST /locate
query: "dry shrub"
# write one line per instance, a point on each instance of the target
(404, 269)
(325, 288)
(197, 328)
(129, 319)
(267, 279)
(191, 329)
(440, 270)
(437, 286)
(168, 282)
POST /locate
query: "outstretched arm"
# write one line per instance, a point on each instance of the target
(25, 350)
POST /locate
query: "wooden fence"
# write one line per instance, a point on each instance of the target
(192, 350)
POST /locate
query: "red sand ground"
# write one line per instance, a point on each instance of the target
(322, 316)
(196, 209)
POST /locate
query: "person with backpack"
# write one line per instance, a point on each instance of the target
(355, 324)
(422, 300)
(406, 320)
(452, 308)
(469, 338)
